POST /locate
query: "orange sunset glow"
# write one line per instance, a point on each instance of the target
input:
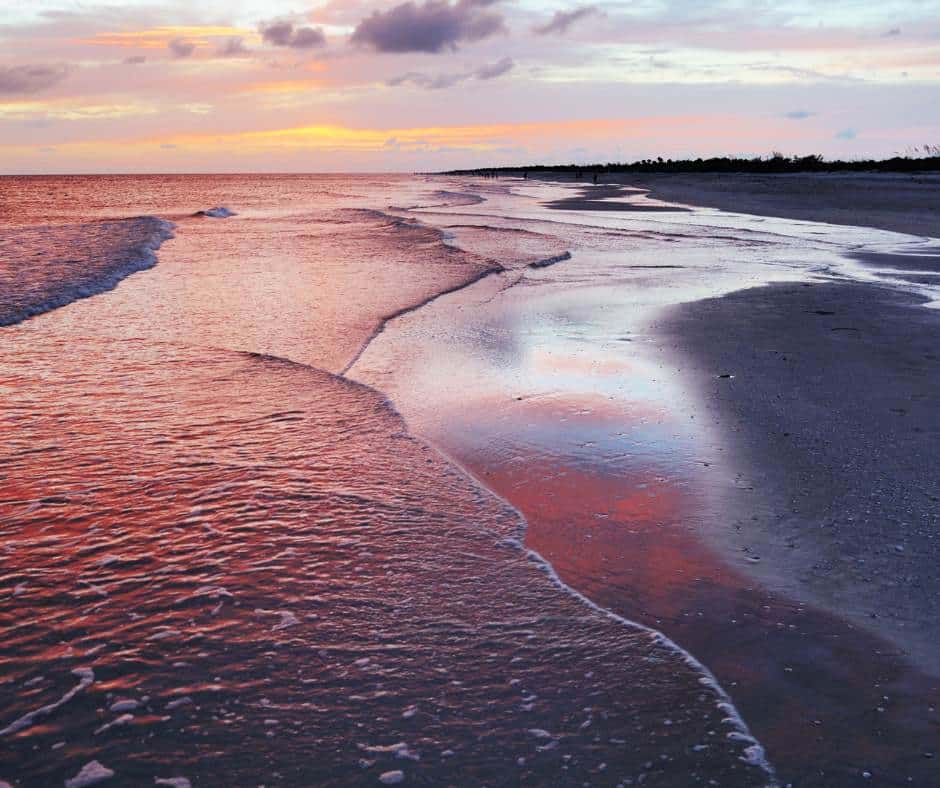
(511, 393)
(538, 82)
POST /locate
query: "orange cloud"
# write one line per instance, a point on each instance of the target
(159, 37)
(284, 86)
(490, 136)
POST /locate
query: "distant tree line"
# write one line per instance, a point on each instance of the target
(926, 159)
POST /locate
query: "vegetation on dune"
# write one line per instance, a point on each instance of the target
(918, 159)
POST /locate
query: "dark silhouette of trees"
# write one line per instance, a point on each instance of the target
(922, 159)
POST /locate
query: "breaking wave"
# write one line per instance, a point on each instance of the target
(43, 268)
(220, 212)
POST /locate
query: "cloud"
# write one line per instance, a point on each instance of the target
(233, 47)
(429, 81)
(441, 81)
(30, 79)
(432, 27)
(799, 114)
(180, 47)
(801, 73)
(846, 134)
(894, 31)
(497, 69)
(284, 34)
(278, 33)
(562, 20)
(308, 37)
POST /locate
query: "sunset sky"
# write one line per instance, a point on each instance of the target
(359, 85)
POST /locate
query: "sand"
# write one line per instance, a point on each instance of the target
(832, 410)
(901, 203)
(833, 414)
(827, 399)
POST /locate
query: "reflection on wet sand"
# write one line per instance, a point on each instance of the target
(828, 700)
(551, 391)
(223, 566)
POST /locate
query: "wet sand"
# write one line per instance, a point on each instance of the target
(223, 564)
(828, 700)
(827, 393)
(827, 396)
(833, 691)
(901, 203)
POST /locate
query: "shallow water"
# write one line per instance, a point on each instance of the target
(260, 576)
(223, 563)
(553, 388)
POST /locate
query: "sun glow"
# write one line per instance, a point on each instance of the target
(160, 37)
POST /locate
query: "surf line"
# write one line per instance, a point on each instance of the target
(754, 753)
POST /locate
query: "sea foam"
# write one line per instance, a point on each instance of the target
(43, 268)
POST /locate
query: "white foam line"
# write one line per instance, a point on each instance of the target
(754, 752)
(141, 257)
(86, 678)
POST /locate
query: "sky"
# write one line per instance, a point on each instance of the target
(360, 85)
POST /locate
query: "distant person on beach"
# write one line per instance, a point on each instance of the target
(595, 179)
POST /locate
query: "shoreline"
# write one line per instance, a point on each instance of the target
(800, 701)
(897, 202)
(829, 414)
(392, 599)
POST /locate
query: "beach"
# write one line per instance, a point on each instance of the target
(387, 479)
(903, 203)
(786, 544)
(225, 561)
(832, 385)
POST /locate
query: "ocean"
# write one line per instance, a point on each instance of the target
(295, 468)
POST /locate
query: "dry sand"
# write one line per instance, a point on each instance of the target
(899, 202)
(834, 415)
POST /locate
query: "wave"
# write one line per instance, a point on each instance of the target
(472, 280)
(446, 199)
(486, 245)
(753, 752)
(219, 212)
(43, 268)
(362, 575)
